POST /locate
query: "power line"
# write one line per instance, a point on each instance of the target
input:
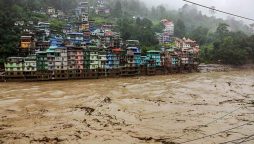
(224, 116)
(214, 120)
(243, 139)
(211, 8)
(217, 133)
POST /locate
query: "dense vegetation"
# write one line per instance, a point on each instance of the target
(226, 41)
(222, 41)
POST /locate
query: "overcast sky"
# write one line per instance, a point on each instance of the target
(239, 7)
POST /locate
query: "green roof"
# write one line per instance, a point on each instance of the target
(153, 51)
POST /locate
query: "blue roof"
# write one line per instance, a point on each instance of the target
(75, 33)
(53, 47)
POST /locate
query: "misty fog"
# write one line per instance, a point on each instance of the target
(238, 7)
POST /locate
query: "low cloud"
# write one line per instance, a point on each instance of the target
(239, 7)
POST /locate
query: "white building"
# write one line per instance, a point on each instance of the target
(61, 61)
(30, 63)
(169, 26)
(51, 11)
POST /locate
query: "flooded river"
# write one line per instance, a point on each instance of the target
(195, 108)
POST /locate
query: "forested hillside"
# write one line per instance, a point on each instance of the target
(226, 41)
(23, 10)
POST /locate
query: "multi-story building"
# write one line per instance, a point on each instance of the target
(101, 8)
(14, 67)
(43, 26)
(189, 50)
(166, 36)
(51, 58)
(75, 38)
(116, 57)
(113, 58)
(132, 43)
(41, 61)
(169, 26)
(187, 45)
(51, 11)
(91, 58)
(67, 28)
(154, 57)
(57, 41)
(133, 57)
(175, 60)
(143, 61)
(14, 64)
(79, 59)
(42, 45)
(26, 42)
(84, 27)
(102, 59)
(71, 57)
(30, 63)
(61, 61)
(75, 58)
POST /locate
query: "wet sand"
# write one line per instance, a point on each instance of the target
(190, 108)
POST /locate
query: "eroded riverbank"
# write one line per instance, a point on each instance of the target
(159, 109)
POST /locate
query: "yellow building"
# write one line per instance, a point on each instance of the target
(85, 27)
(26, 42)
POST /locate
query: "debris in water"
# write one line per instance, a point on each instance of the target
(107, 100)
(88, 110)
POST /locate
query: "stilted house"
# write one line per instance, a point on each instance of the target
(133, 57)
(26, 42)
(102, 59)
(30, 63)
(30, 68)
(41, 61)
(91, 58)
(42, 66)
(75, 57)
(14, 67)
(51, 58)
(154, 57)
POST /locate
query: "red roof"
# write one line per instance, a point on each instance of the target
(116, 49)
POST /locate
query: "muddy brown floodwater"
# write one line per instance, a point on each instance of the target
(193, 108)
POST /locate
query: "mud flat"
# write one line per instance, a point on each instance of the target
(215, 68)
(195, 108)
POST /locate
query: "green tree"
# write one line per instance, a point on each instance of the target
(10, 12)
(57, 25)
(117, 10)
(141, 29)
(222, 30)
(200, 35)
(180, 28)
(161, 11)
(158, 27)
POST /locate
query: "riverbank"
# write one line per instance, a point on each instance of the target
(158, 109)
(56, 75)
(204, 68)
